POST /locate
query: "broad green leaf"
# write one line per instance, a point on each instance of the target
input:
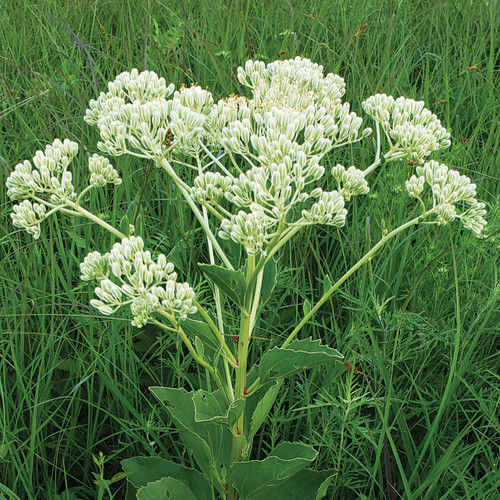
(262, 409)
(304, 485)
(143, 470)
(166, 488)
(212, 408)
(231, 283)
(268, 280)
(210, 444)
(257, 476)
(277, 363)
(196, 328)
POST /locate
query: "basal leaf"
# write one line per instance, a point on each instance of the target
(259, 476)
(304, 485)
(210, 444)
(277, 363)
(232, 283)
(143, 470)
(166, 488)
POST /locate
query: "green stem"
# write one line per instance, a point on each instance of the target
(191, 349)
(241, 373)
(218, 303)
(185, 189)
(82, 194)
(94, 218)
(377, 161)
(351, 271)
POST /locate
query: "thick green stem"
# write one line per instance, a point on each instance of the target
(244, 337)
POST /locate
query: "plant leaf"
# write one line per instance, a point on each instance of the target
(256, 476)
(231, 283)
(210, 444)
(277, 363)
(262, 409)
(212, 408)
(125, 225)
(195, 328)
(166, 488)
(143, 470)
(268, 280)
(306, 484)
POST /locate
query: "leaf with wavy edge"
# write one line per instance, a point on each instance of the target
(278, 363)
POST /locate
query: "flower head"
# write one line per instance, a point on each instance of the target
(412, 130)
(453, 195)
(128, 275)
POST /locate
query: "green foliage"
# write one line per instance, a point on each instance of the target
(72, 385)
(278, 363)
(144, 471)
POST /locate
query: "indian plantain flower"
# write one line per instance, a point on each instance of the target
(48, 182)
(453, 195)
(412, 130)
(128, 275)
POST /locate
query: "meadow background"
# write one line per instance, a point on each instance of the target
(421, 321)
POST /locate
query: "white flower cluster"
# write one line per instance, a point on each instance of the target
(294, 83)
(50, 175)
(102, 172)
(412, 130)
(128, 275)
(294, 108)
(351, 182)
(449, 188)
(29, 216)
(132, 113)
(275, 195)
(210, 187)
(49, 183)
(136, 116)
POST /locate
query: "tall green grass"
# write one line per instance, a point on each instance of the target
(420, 323)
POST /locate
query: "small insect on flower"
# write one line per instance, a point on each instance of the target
(410, 163)
(168, 138)
(361, 30)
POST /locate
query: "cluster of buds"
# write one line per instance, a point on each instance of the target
(141, 115)
(277, 195)
(294, 107)
(449, 189)
(47, 184)
(128, 275)
(412, 130)
(294, 118)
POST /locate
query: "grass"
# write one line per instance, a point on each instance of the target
(420, 322)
